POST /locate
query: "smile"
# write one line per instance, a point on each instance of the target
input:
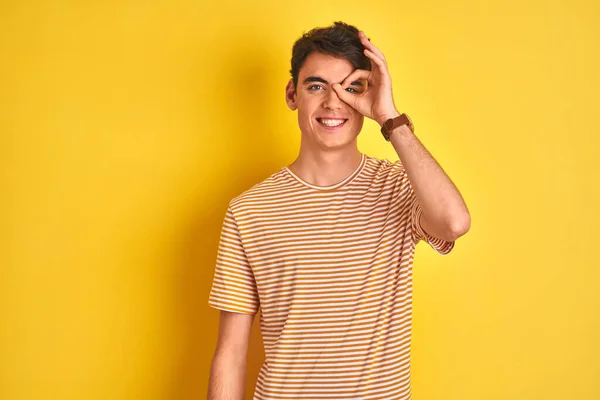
(332, 123)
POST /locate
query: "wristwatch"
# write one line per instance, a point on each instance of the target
(392, 123)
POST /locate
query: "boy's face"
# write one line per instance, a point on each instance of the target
(326, 121)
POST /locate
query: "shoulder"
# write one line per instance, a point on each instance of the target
(383, 167)
(268, 190)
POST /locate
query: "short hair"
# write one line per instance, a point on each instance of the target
(339, 40)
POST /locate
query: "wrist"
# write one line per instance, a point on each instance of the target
(402, 131)
(401, 123)
(381, 120)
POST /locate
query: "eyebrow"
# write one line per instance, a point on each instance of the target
(321, 80)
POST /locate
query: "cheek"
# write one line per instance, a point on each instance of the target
(306, 109)
(304, 118)
(303, 114)
(355, 114)
(358, 124)
(357, 118)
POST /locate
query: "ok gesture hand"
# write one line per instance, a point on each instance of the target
(376, 102)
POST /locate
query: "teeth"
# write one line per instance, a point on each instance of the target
(332, 122)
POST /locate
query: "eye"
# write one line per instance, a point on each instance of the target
(351, 90)
(314, 87)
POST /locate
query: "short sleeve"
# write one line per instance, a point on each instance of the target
(440, 245)
(234, 287)
(414, 209)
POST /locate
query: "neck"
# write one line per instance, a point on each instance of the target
(326, 168)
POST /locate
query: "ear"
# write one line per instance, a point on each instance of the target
(290, 95)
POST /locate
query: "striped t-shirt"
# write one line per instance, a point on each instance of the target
(331, 270)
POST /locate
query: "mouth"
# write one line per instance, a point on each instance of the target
(332, 124)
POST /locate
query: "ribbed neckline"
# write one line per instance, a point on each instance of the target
(348, 179)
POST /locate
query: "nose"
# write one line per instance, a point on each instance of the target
(332, 101)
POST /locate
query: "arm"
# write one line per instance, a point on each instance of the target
(228, 367)
(445, 214)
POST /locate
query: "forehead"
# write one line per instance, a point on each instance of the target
(331, 68)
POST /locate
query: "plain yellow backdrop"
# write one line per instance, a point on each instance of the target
(126, 127)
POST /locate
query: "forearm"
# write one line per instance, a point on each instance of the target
(438, 196)
(227, 379)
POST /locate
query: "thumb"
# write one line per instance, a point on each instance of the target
(345, 96)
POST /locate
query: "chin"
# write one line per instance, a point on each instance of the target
(335, 143)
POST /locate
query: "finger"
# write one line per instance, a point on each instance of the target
(385, 74)
(345, 96)
(370, 46)
(380, 63)
(356, 75)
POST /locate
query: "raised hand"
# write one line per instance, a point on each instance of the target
(376, 101)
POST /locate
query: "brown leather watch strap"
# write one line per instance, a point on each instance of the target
(392, 123)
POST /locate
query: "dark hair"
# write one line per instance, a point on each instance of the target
(339, 40)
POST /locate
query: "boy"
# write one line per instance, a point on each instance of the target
(325, 246)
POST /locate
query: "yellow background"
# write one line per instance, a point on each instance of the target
(126, 127)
